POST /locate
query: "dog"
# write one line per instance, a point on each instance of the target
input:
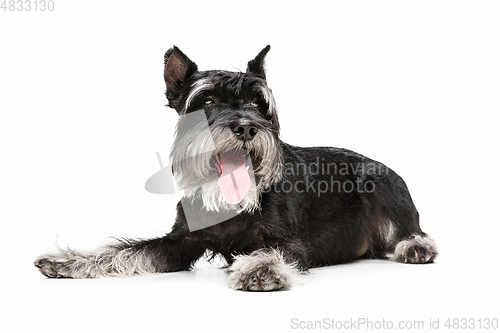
(270, 209)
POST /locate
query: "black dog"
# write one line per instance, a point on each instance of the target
(270, 209)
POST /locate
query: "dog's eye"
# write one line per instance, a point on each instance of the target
(254, 104)
(208, 101)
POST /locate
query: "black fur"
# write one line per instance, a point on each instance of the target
(313, 229)
(325, 205)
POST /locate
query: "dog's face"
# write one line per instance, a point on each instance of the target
(226, 148)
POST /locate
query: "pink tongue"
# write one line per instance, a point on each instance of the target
(234, 181)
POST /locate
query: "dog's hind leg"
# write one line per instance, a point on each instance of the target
(124, 258)
(396, 229)
(404, 243)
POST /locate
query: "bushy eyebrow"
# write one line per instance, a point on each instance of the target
(205, 85)
(198, 88)
(268, 97)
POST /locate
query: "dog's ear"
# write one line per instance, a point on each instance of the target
(256, 66)
(178, 68)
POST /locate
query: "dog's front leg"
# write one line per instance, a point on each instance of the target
(124, 258)
(265, 270)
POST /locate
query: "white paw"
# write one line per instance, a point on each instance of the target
(416, 250)
(263, 270)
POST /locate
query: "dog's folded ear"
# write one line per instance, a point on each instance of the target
(178, 68)
(256, 66)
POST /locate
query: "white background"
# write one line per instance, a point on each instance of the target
(412, 84)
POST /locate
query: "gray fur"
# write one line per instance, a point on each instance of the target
(387, 233)
(194, 163)
(416, 250)
(109, 260)
(264, 270)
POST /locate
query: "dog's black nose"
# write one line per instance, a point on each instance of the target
(244, 130)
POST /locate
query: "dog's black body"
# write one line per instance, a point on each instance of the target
(310, 206)
(315, 230)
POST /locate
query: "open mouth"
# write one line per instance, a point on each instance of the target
(234, 179)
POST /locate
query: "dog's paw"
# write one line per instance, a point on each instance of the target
(66, 264)
(263, 270)
(416, 250)
(53, 266)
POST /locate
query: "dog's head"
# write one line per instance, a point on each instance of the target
(227, 146)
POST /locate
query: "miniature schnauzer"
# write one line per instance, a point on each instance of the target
(270, 209)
